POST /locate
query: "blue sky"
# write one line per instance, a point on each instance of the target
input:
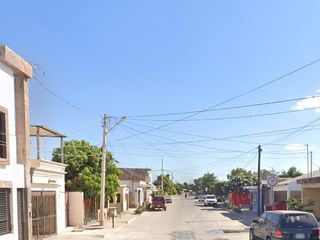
(128, 58)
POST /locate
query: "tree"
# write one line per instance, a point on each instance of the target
(206, 183)
(266, 173)
(83, 169)
(220, 188)
(239, 178)
(168, 185)
(291, 173)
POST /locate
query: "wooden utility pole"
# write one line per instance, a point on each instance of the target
(259, 182)
(103, 170)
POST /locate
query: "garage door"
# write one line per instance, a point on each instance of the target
(44, 222)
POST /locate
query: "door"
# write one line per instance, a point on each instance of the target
(44, 222)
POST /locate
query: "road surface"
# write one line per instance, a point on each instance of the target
(186, 219)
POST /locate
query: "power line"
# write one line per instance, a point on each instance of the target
(231, 117)
(37, 68)
(229, 138)
(225, 108)
(229, 99)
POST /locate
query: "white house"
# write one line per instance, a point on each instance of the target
(15, 189)
(139, 182)
(286, 189)
(47, 188)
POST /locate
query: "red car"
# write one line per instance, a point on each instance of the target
(158, 202)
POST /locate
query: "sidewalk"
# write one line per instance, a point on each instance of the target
(96, 231)
(245, 217)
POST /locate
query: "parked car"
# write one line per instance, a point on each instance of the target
(201, 198)
(158, 202)
(168, 199)
(210, 200)
(285, 224)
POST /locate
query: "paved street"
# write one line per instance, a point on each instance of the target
(185, 219)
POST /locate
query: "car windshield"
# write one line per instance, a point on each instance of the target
(211, 197)
(298, 220)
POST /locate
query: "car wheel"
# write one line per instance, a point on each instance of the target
(251, 235)
(165, 209)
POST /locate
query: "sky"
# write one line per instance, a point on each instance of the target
(143, 58)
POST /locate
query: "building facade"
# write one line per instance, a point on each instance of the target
(139, 182)
(15, 189)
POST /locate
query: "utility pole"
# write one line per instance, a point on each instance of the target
(308, 160)
(162, 174)
(103, 170)
(259, 182)
(311, 164)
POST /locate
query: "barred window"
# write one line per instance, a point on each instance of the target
(3, 135)
(5, 219)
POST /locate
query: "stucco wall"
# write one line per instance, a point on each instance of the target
(76, 209)
(312, 194)
(13, 172)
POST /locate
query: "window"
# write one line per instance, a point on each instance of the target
(3, 135)
(5, 219)
(298, 220)
(118, 198)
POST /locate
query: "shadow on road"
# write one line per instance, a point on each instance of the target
(245, 217)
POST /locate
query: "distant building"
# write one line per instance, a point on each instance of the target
(139, 182)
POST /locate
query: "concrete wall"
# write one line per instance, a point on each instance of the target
(76, 209)
(13, 172)
(312, 192)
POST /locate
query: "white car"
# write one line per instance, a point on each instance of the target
(210, 200)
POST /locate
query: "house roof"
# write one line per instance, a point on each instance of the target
(306, 178)
(44, 132)
(136, 174)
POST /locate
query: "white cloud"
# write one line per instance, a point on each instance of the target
(309, 102)
(295, 147)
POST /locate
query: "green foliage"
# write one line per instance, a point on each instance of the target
(168, 185)
(83, 169)
(238, 179)
(158, 193)
(266, 173)
(179, 187)
(207, 181)
(220, 188)
(291, 173)
(294, 204)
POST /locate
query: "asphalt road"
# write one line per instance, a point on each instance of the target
(185, 219)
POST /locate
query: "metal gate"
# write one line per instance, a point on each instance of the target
(44, 222)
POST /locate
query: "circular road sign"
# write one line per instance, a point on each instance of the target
(272, 181)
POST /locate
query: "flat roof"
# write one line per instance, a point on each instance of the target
(44, 132)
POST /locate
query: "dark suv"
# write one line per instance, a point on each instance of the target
(286, 224)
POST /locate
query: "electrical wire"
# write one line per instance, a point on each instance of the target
(229, 99)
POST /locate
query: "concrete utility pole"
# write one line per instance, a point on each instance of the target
(307, 145)
(103, 170)
(162, 174)
(311, 164)
(259, 182)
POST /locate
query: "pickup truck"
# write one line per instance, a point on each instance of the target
(158, 202)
